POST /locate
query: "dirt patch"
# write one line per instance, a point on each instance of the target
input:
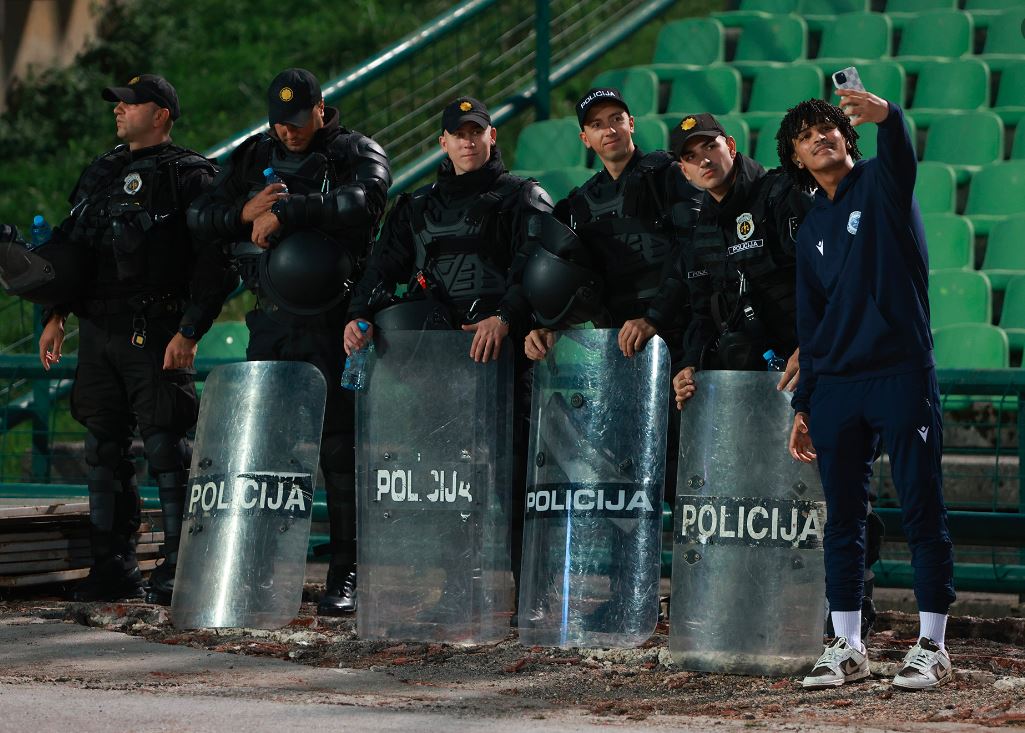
(636, 684)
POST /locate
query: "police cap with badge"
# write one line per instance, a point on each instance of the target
(701, 125)
(596, 96)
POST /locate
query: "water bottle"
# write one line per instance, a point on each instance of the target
(41, 231)
(355, 375)
(775, 363)
(271, 177)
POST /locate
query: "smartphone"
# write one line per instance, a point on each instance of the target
(848, 79)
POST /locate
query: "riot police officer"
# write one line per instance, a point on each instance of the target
(623, 216)
(297, 242)
(144, 297)
(459, 244)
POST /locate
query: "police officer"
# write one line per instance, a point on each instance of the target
(296, 243)
(623, 215)
(459, 244)
(144, 300)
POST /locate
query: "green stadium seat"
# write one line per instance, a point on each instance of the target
(715, 89)
(850, 40)
(650, 133)
(959, 296)
(1012, 315)
(1010, 101)
(936, 188)
(781, 38)
(1018, 148)
(938, 34)
(1005, 252)
(224, 340)
(752, 10)
(638, 86)
(902, 12)
(817, 13)
(550, 143)
(777, 88)
(985, 12)
(951, 241)
(966, 142)
(945, 86)
(765, 144)
(734, 125)
(560, 181)
(700, 41)
(970, 346)
(885, 78)
(1005, 44)
(868, 136)
(996, 191)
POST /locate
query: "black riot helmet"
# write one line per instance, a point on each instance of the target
(48, 275)
(559, 278)
(306, 273)
(414, 314)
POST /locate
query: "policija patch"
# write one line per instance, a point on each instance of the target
(745, 226)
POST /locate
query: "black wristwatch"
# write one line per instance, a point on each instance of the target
(188, 332)
(502, 317)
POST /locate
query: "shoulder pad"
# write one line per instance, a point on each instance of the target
(422, 191)
(250, 145)
(535, 197)
(114, 155)
(656, 160)
(186, 158)
(351, 144)
(778, 183)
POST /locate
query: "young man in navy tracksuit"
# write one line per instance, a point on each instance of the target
(867, 370)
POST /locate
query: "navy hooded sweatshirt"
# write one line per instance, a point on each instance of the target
(863, 272)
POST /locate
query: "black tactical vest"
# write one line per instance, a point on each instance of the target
(455, 245)
(625, 223)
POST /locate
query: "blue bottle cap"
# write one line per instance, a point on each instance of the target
(363, 326)
(38, 220)
(769, 355)
(267, 172)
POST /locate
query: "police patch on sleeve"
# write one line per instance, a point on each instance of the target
(745, 226)
(133, 183)
(853, 221)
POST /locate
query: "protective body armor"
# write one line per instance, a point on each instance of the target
(626, 223)
(129, 213)
(453, 246)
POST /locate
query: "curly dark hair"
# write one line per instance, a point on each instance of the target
(804, 114)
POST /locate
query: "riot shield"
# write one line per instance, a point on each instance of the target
(748, 593)
(433, 487)
(592, 529)
(250, 498)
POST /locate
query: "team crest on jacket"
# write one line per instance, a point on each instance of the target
(852, 222)
(133, 183)
(745, 226)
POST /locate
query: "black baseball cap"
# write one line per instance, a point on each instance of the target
(465, 109)
(292, 96)
(703, 125)
(146, 88)
(598, 95)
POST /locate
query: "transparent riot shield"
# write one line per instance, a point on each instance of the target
(748, 593)
(592, 529)
(433, 480)
(249, 504)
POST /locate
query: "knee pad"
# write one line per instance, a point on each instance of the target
(166, 453)
(106, 453)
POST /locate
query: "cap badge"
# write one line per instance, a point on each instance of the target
(135, 80)
(286, 94)
(133, 183)
(745, 227)
(688, 123)
(465, 107)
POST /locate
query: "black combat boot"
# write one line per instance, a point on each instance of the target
(115, 572)
(172, 488)
(339, 597)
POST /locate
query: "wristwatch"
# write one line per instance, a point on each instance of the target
(188, 331)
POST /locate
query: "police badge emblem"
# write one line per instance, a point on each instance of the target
(745, 226)
(465, 107)
(133, 183)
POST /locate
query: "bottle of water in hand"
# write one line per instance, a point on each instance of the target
(270, 176)
(355, 375)
(774, 363)
(41, 231)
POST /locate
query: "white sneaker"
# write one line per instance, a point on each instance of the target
(926, 665)
(839, 663)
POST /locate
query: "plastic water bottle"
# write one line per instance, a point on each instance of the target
(355, 375)
(270, 177)
(774, 363)
(41, 231)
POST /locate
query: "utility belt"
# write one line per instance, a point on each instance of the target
(138, 309)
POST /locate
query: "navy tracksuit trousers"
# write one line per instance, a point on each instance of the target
(848, 419)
